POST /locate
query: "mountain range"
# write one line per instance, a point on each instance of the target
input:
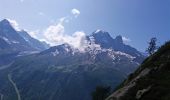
(31, 70)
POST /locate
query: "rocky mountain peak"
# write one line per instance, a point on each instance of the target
(119, 39)
(5, 24)
(101, 34)
(4, 21)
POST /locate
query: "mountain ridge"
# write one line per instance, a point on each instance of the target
(55, 72)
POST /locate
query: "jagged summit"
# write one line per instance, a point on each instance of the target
(5, 21)
(105, 40)
(119, 39)
(101, 33)
(6, 25)
(101, 38)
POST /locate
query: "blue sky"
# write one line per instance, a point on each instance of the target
(137, 20)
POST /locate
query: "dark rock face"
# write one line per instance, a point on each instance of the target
(119, 39)
(102, 38)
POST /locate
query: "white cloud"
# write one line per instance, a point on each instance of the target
(14, 24)
(67, 19)
(63, 19)
(21, 0)
(78, 39)
(125, 39)
(41, 13)
(55, 35)
(75, 12)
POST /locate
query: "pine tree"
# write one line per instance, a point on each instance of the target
(152, 46)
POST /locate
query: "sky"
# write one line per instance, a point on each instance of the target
(57, 21)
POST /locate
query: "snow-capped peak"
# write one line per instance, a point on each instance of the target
(98, 30)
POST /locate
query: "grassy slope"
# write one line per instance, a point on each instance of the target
(158, 78)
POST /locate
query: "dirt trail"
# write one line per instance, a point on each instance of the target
(15, 86)
(1, 96)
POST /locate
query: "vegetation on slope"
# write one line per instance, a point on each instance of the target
(151, 81)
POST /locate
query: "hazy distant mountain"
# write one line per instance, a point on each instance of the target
(66, 73)
(11, 37)
(19, 40)
(33, 42)
(150, 81)
(16, 43)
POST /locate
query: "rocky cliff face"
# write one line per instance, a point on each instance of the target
(150, 81)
